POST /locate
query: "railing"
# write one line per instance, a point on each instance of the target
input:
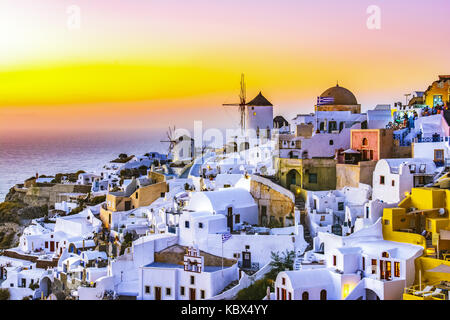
(431, 139)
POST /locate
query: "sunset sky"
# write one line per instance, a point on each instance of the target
(135, 64)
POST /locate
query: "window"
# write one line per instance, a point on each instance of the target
(393, 183)
(397, 269)
(412, 168)
(163, 194)
(422, 168)
(192, 280)
(305, 295)
(386, 222)
(147, 289)
(323, 295)
(168, 291)
(363, 263)
(247, 247)
(382, 180)
(200, 225)
(322, 218)
(331, 142)
(137, 195)
(283, 281)
(313, 178)
(340, 206)
(202, 294)
(182, 291)
(367, 212)
(374, 266)
(365, 142)
(385, 254)
(186, 224)
(290, 296)
(334, 260)
(438, 155)
(237, 218)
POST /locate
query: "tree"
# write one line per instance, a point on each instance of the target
(280, 263)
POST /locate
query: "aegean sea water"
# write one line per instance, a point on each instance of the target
(48, 153)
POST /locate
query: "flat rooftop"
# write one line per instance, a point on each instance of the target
(179, 266)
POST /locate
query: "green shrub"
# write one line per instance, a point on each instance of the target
(4, 294)
(257, 291)
(8, 211)
(97, 200)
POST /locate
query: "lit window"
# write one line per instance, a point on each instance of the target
(397, 269)
(254, 113)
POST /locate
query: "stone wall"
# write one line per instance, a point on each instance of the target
(349, 175)
(175, 255)
(279, 202)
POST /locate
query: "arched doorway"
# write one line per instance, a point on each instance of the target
(46, 286)
(323, 295)
(371, 295)
(292, 178)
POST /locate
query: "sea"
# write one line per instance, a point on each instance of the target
(22, 155)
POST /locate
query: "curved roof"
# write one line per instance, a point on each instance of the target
(341, 95)
(221, 199)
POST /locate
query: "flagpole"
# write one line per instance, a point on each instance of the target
(222, 256)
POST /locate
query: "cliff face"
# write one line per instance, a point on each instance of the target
(14, 196)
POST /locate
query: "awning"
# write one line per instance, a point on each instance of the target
(351, 151)
(444, 235)
(441, 269)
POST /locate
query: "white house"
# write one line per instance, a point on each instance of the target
(191, 279)
(393, 177)
(236, 204)
(361, 266)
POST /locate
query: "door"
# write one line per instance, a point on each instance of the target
(127, 205)
(24, 283)
(157, 293)
(230, 219)
(246, 260)
(191, 294)
(382, 273)
(388, 270)
(52, 246)
(283, 294)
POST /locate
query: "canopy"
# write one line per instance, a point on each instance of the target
(441, 268)
(351, 151)
(444, 235)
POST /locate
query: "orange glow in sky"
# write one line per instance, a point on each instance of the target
(135, 64)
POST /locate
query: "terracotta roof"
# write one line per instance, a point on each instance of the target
(260, 101)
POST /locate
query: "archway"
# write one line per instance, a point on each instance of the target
(46, 286)
(371, 295)
(292, 178)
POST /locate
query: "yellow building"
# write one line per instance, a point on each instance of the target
(138, 193)
(422, 218)
(314, 174)
(439, 92)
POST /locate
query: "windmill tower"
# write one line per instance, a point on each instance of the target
(256, 114)
(171, 139)
(241, 104)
